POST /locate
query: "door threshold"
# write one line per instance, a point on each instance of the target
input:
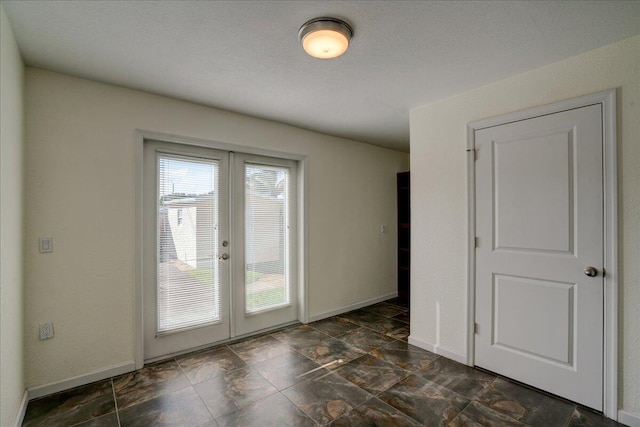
(221, 343)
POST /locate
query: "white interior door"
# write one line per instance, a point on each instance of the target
(539, 221)
(217, 263)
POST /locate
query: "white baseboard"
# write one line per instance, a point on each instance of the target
(628, 418)
(351, 307)
(111, 371)
(423, 345)
(438, 349)
(450, 354)
(23, 409)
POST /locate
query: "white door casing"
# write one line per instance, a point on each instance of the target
(539, 225)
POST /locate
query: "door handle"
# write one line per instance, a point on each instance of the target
(224, 256)
(591, 271)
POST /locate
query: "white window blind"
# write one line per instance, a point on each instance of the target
(267, 198)
(188, 282)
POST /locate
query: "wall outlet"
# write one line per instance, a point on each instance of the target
(46, 331)
(46, 245)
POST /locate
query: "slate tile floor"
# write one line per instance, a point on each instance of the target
(356, 369)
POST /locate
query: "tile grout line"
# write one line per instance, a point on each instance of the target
(277, 391)
(329, 372)
(371, 395)
(304, 355)
(376, 396)
(359, 326)
(299, 408)
(192, 385)
(273, 385)
(115, 401)
(182, 370)
(286, 388)
(343, 342)
(371, 329)
(213, 418)
(222, 370)
(260, 361)
(252, 369)
(407, 374)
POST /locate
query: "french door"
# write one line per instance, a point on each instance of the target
(219, 246)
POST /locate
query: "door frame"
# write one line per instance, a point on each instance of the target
(141, 136)
(607, 100)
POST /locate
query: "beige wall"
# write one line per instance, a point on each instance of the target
(438, 210)
(11, 212)
(80, 185)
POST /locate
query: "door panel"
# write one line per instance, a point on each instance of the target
(264, 228)
(185, 283)
(533, 192)
(518, 325)
(539, 204)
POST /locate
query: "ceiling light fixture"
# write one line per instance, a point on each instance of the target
(325, 38)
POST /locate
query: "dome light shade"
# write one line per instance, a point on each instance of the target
(325, 38)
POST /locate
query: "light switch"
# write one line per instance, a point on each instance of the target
(46, 245)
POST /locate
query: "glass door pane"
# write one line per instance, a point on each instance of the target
(187, 278)
(266, 236)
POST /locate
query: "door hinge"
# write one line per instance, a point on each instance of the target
(477, 242)
(475, 328)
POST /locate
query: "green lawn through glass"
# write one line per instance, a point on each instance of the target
(256, 298)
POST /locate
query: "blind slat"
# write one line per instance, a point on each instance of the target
(188, 283)
(267, 201)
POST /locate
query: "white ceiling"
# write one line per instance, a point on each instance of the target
(245, 56)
